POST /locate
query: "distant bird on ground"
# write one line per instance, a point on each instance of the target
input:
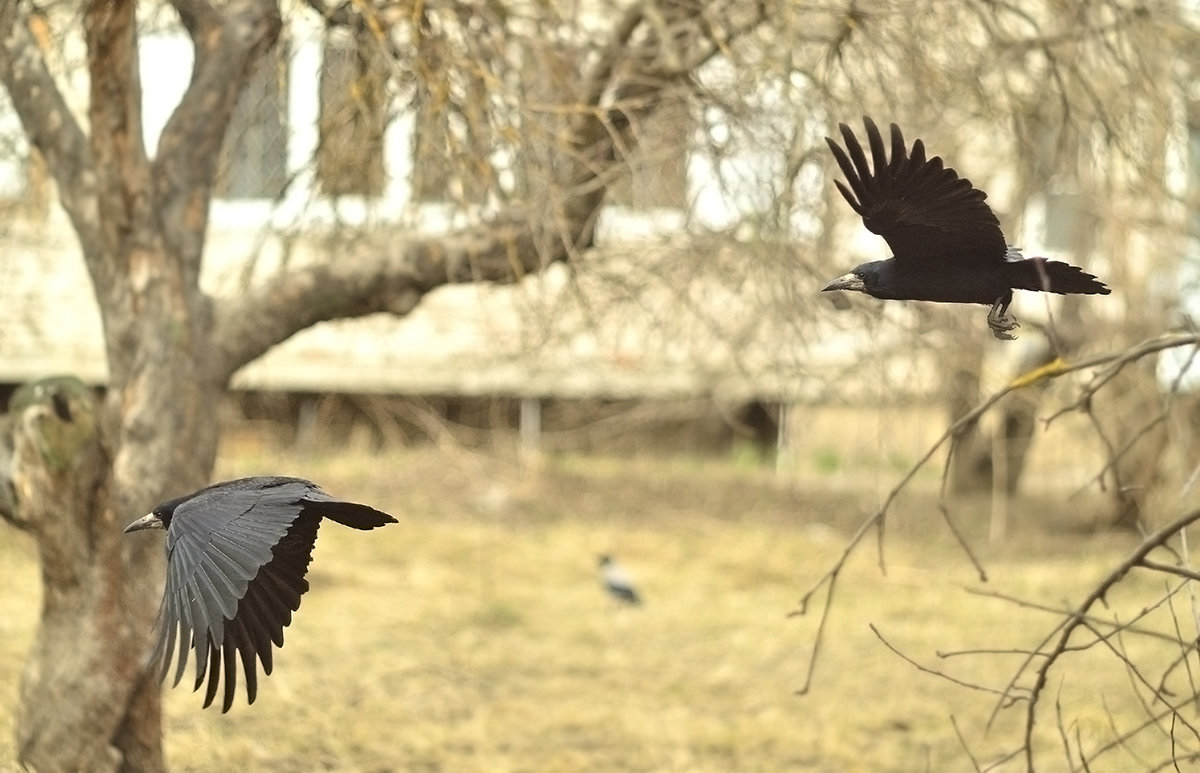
(946, 242)
(237, 553)
(617, 581)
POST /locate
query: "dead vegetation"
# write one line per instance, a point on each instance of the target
(476, 636)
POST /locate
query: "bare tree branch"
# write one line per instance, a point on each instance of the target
(384, 278)
(48, 121)
(227, 47)
(1179, 571)
(1078, 617)
(197, 16)
(1054, 646)
(373, 278)
(115, 119)
(932, 671)
(962, 741)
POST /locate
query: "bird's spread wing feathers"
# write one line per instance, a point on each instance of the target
(262, 614)
(237, 556)
(922, 208)
(225, 594)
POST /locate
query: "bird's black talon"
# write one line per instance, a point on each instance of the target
(1003, 334)
(1002, 325)
(1000, 321)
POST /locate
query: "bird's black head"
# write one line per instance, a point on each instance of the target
(866, 278)
(159, 517)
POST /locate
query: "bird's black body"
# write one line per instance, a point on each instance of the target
(237, 553)
(946, 242)
(617, 581)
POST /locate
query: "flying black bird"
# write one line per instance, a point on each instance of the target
(617, 581)
(237, 553)
(946, 242)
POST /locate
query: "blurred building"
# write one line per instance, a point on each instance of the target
(314, 154)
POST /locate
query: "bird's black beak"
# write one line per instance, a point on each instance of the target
(150, 521)
(846, 282)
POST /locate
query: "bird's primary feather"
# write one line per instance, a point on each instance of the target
(237, 556)
(921, 208)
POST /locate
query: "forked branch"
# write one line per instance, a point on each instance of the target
(1064, 638)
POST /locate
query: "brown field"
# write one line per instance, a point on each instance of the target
(474, 636)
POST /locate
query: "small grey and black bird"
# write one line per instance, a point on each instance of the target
(946, 242)
(237, 553)
(617, 581)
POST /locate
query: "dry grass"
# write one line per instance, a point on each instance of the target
(474, 636)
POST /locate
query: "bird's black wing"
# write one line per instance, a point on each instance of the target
(266, 609)
(921, 207)
(218, 545)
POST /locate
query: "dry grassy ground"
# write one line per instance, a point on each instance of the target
(474, 636)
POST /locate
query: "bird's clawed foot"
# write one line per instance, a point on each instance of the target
(1002, 323)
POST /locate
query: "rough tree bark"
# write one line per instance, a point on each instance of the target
(89, 698)
(87, 701)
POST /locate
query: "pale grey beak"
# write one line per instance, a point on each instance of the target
(846, 282)
(150, 521)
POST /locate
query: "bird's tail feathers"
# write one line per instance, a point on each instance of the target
(1052, 276)
(354, 515)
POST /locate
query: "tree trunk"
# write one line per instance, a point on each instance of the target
(971, 465)
(82, 470)
(1132, 421)
(89, 701)
(90, 698)
(1018, 419)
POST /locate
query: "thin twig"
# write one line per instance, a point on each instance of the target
(1078, 615)
(962, 741)
(927, 669)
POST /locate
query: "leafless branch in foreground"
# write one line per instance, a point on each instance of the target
(1164, 681)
